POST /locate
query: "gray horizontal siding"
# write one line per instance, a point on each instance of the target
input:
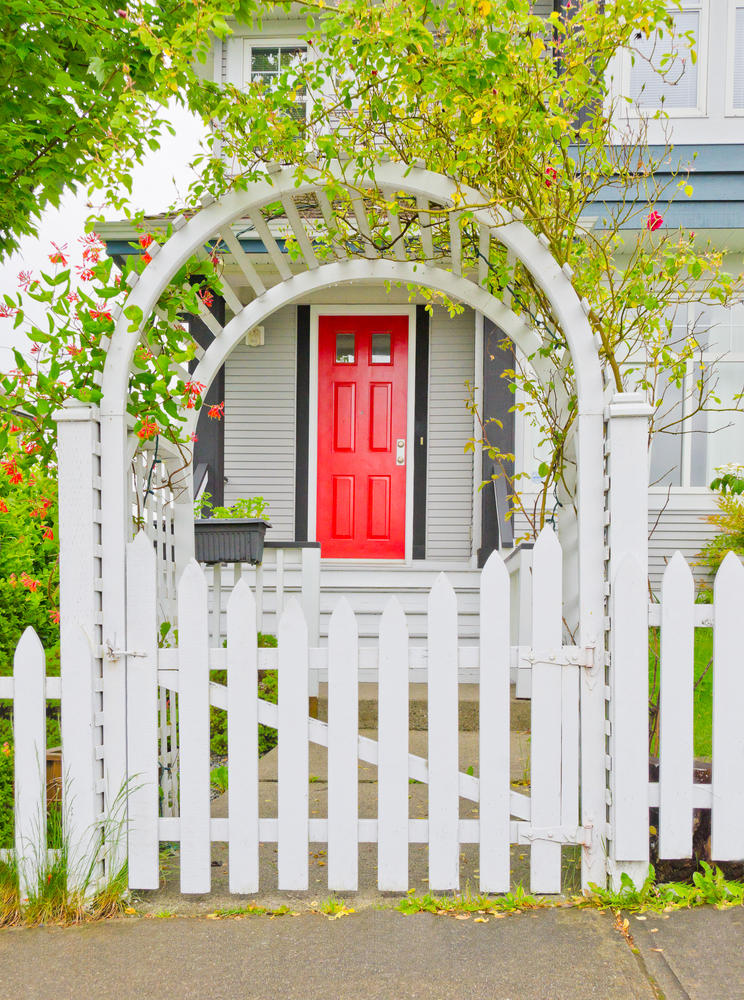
(449, 489)
(682, 527)
(260, 422)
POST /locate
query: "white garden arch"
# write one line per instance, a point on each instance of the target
(293, 281)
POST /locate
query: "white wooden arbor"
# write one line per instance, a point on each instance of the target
(110, 456)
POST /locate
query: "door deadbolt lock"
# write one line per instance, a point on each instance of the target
(400, 451)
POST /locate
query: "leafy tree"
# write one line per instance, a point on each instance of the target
(84, 88)
(518, 109)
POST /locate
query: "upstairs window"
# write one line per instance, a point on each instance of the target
(735, 74)
(680, 90)
(266, 63)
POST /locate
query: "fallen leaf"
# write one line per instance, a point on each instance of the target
(481, 920)
(641, 918)
(213, 916)
(462, 916)
(653, 930)
(657, 949)
(130, 910)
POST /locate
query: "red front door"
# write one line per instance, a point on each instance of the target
(362, 447)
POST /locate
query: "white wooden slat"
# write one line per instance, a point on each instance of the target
(727, 817)
(300, 232)
(357, 204)
(676, 710)
(427, 243)
(455, 242)
(392, 767)
(630, 696)
(29, 737)
(569, 745)
(343, 745)
(242, 739)
(142, 715)
(209, 320)
(396, 233)
(215, 636)
(545, 769)
(193, 662)
(444, 851)
(272, 247)
(494, 726)
(230, 295)
(484, 251)
(279, 581)
(330, 221)
(292, 794)
(241, 259)
(260, 597)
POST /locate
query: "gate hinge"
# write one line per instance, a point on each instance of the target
(561, 656)
(582, 835)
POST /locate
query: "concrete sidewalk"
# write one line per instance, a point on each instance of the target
(553, 954)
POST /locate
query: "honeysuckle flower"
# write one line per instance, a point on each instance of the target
(54, 615)
(206, 296)
(58, 254)
(216, 411)
(148, 430)
(48, 535)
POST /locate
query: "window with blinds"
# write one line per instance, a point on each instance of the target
(678, 87)
(268, 63)
(737, 85)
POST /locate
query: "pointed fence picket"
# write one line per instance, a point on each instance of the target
(29, 730)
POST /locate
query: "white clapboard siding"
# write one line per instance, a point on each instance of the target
(142, 715)
(449, 471)
(547, 627)
(242, 739)
(29, 735)
(293, 759)
(392, 766)
(193, 708)
(444, 851)
(677, 523)
(493, 754)
(343, 741)
(676, 710)
(727, 818)
(260, 426)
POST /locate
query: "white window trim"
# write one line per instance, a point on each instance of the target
(634, 111)
(731, 111)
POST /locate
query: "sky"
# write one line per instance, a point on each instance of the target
(162, 178)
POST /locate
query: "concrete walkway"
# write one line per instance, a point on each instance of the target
(552, 954)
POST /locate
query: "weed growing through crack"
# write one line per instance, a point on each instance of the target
(709, 887)
(466, 903)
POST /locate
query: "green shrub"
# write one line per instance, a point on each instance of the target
(267, 690)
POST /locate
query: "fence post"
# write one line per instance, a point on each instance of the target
(627, 531)
(80, 573)
(29, 733)
(311, 609)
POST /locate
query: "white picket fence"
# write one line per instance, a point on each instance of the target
(675, 793)
(545, 819)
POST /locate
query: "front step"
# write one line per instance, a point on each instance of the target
(418, 711)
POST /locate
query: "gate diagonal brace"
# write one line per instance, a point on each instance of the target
(527, 834)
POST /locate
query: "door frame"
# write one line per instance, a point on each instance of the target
(365, 309)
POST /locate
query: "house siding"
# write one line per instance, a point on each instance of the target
(260, 422)
(676, 522)
(449, 509)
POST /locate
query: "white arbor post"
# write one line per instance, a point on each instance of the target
(80, 572)
(627, 422)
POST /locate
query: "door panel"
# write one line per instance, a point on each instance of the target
(362, 415)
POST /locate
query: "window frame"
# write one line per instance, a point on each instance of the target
(634, 111)
(251, 42)
(730, 111)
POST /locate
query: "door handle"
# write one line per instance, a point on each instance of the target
(400, 451)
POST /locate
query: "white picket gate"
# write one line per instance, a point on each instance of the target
(546, 819)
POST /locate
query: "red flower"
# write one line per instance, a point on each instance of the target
(85, 273)
(194, 388)
(101, 314)
(145, 240)
(3, 507)
(29, 583)
(551, 175)
(92, 254)
(146, 258)
(14, 428)
(6, 311)
(6, 749)
(24, 280)
(193, 438)
(58, 257)
(48, 535)
(217, 411)
(206, 296)
(30, 447)
(35, 348)
(73, 297)
(654, 222)
(148, 429)
(54, 615)
(73, 351)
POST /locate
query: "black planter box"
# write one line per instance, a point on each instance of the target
(229, 539)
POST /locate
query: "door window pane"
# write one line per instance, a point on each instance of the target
(380, 348)
(718, 437)
(344, 348)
